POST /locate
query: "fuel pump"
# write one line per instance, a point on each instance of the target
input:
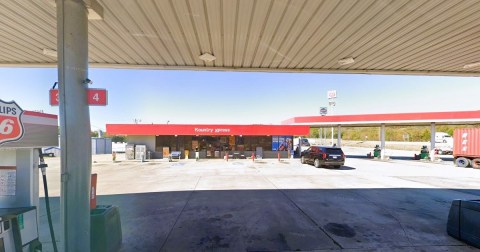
(22, 135)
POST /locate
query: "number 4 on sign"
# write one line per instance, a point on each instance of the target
(95, 97)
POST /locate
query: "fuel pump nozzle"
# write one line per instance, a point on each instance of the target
(42, 164)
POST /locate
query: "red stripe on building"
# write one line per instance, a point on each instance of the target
(207, 130)
(38, 114)
(385, 118)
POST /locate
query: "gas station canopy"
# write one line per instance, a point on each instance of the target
(393, 119)
(426, 37)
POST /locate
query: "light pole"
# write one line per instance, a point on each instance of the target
(332, 95)
(323, 112)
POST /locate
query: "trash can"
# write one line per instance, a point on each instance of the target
(377, 151)
(464, 220)
(149, 155)
(105, 229)
(424, 153)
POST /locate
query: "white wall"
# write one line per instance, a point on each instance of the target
(8, 157)
(118, 147)
(149, 141)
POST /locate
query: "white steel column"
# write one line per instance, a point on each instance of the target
(382, 141)
(432, 136)
(339, 136)
(332, 136)
(320, 133)
(76, 159)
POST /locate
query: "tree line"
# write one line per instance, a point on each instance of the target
(115, 139)
(392, 133)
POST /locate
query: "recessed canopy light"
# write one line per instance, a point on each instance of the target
(346, 61)
(95, 10)
(207, 57)
(50, 52)
(472, 65)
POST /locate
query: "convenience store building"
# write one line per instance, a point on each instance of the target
(212, 141)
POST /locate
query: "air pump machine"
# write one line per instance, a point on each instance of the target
(22, 135)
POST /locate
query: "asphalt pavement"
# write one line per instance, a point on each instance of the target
(267, 205)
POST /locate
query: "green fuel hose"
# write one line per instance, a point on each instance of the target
(42, 166)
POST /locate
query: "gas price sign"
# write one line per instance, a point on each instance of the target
(95, 97)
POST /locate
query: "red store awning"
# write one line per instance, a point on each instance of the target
(207, 130)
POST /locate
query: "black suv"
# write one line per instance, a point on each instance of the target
(323, 156)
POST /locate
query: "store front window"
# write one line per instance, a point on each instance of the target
(212, 146)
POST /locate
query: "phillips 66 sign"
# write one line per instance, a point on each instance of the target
(11, 126)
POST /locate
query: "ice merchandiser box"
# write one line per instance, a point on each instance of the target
(22, 134)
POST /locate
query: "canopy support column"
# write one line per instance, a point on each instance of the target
(382, 141)
(76, 152)
(339, 136)
(432, 136)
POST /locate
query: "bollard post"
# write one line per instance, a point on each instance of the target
(226, 155)
(114, 156)
(278, 156)
(93, 191)
(253, 157)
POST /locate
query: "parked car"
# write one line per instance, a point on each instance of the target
(323, 156)
(51, 151)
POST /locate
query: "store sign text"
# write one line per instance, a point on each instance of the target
(211, 130)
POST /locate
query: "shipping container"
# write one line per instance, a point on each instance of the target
(466, 147)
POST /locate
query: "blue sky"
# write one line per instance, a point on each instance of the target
(195, 97)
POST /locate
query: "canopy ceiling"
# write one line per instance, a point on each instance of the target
(427, 37)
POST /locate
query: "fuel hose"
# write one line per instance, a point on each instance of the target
(42, 166)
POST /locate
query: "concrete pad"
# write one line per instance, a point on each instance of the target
(147, 218)
(246, 220)
(266, 205)
(459, 182)
(374, 218)
(341, 213)
(233, 183)
(322, 182)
